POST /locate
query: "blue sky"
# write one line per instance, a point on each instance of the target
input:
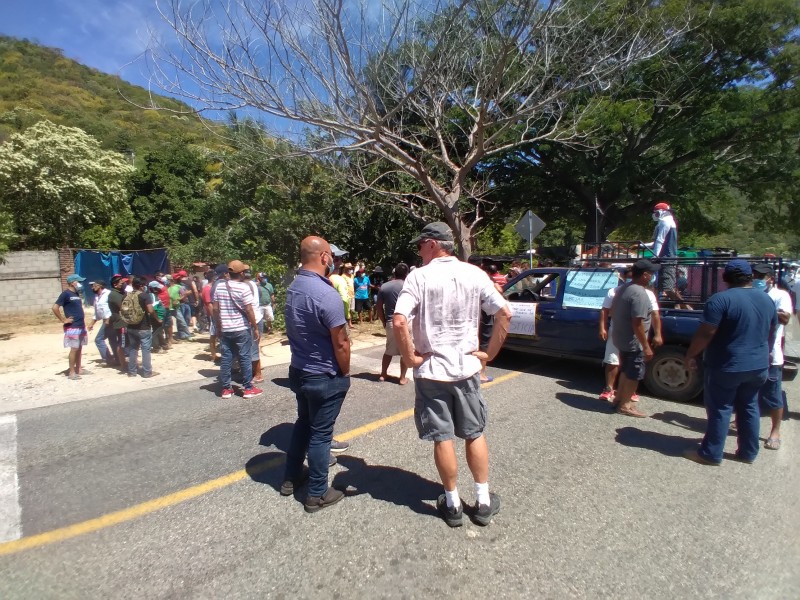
(104, 34)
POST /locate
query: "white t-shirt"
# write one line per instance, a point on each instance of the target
(445, 298)
(254, 302)
(783, 301)
(101, 308)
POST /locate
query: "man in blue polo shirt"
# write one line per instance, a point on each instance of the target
(319, 373)
(737, 332)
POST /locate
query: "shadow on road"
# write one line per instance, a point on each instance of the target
(571, 374)
(587, 403)
(366, 376)
(680, 420)
(281, 382)
(267, 468)
(278, 436)
(390, 484)
(668, 445)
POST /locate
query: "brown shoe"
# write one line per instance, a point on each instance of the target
(694, 456)
(631, 412)
(315, 503)
(153, 374)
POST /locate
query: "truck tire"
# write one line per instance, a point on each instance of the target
(667, 378)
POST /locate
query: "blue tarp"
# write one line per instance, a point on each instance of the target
(95, 265)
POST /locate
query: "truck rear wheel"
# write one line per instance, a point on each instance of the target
(668, 378)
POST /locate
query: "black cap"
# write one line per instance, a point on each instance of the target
(763, 269)
(437, 230)
(643, 266)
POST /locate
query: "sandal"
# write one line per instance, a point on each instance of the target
(773, 444)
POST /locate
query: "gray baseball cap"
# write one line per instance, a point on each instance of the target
(437, 230)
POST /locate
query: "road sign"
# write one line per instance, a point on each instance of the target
(529, 226)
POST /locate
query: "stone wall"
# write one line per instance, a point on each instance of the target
(30, 281)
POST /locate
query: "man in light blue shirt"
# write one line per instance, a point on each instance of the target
(319, 373)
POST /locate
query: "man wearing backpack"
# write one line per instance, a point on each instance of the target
(138, 314)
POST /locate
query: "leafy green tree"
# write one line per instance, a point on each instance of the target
(169, 198)
(712, 119)
(271, 196)
(58, 182)
(7, 235)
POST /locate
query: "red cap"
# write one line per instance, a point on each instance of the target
(662, 206)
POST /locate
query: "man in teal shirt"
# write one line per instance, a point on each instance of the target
(362, 284)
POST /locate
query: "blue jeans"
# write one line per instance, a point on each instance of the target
(239, 343)
(139, 338)
(319, 400)
(100, 342)
(724, 392)
(182, 331)
(186, 311)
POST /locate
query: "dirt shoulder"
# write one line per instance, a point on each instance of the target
(33, 363)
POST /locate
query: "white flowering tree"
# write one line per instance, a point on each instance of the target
(57, 182)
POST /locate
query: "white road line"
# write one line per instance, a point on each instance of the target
(10, 512)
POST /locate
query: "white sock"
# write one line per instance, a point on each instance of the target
(453, 500)
(482, 493)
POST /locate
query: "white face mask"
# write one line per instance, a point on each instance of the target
(78, 287)
(656, 216)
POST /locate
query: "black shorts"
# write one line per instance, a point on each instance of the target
(363, 304)
(632, 365)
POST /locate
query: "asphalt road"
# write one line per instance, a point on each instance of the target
(595, 505)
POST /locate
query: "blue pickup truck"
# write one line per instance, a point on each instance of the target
(557, 312)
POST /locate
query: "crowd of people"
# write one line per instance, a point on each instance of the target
(445, 321)
(136, 316)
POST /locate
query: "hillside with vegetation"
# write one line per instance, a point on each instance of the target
(41, 83)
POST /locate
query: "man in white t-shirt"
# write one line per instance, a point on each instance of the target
(611, 359)
(443, 300)
(771, 395)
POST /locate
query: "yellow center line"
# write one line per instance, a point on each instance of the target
(145, 508)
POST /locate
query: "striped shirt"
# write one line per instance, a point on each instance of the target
(231, 310)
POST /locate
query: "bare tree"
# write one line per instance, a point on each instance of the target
(424, 90)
